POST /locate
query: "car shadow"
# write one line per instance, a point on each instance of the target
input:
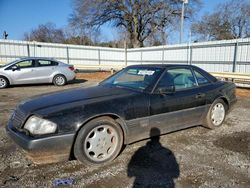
(76, 81)
(153, 165)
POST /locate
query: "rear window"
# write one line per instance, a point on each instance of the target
(202, 80)
(44, 63)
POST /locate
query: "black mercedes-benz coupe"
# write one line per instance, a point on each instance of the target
(92, 124)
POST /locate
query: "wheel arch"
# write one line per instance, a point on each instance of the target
(8, 79)
(115, 117)
(56, 74)
(225, 100)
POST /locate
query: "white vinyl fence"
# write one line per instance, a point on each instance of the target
(216, 56)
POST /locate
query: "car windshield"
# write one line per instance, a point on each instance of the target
(138, 78)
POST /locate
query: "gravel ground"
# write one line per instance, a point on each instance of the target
(195, 157)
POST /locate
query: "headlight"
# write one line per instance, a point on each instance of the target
(36, 125)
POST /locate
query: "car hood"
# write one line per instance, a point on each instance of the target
(70, 96)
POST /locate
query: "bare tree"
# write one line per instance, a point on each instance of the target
(140, 18)
(73, 37)
(46, 33)
(49, 33)
(230, 20)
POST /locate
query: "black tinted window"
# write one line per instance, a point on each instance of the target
(166, 80)
(200, 78)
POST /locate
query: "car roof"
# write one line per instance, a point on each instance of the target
(161, 65)
(45, 58)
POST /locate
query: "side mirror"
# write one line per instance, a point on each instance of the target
(14, 68)
(166, 90)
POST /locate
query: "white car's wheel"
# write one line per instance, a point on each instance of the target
(59, 80)
(4, 82)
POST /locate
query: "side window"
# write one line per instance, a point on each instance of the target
(200, 78)
(45, 63)
(166, 80)
(24, 64)
(54, 63)
(183, 78)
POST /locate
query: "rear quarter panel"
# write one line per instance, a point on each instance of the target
(64, 70)
(224, 90)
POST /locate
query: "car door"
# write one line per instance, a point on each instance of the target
(22, 72)
(181, 108)
(206, 86)
(44, 70)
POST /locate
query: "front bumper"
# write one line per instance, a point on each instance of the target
(43, 150)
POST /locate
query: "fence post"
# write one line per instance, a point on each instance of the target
(67, 49)
(34, 44)
(191, 54)
(99, 59)
(188, 52)
(28, 50)
(162, 58)
(126, 51)
(141, 56)
(235, 55)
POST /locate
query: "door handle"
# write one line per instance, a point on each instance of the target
(200, 95)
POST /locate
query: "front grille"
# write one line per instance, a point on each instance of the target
(18, 118)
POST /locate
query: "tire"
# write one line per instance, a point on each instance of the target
(59, 80)
(216, 114)
(98, 142)
(4, 82)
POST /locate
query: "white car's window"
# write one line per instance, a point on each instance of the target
(44, 63)
(24, 64)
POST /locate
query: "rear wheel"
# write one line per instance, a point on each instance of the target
(4, 82)
(59, 80)
(216, 114)
(98, 142)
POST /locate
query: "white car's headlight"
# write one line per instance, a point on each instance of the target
(36, 125)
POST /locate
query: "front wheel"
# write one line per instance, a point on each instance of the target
(98, 142)
(59, 80)
(3, 82)
(216, 114)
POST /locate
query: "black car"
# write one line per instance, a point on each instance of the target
(92, 124)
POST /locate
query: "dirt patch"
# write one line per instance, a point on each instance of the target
(238, 142)
(243, 92)
(94, 75)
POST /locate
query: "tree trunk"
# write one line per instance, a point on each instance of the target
(134, 41)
